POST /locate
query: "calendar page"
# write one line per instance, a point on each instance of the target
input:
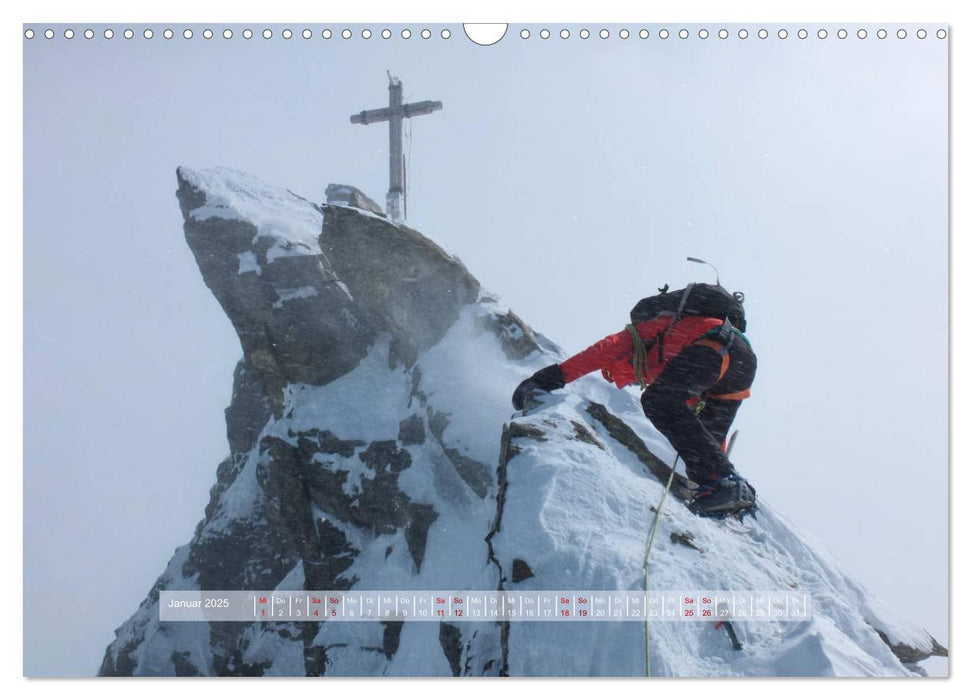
(538, 349)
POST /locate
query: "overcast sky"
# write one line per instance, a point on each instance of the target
(572, 177)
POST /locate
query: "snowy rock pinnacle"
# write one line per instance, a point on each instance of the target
(372, 446)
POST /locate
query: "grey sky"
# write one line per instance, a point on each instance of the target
(572, 177)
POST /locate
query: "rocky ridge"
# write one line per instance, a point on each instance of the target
(371, 447)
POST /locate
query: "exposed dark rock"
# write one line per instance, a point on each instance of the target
(336, 556)
(244, 555)
(411, 431)
(379, 506)
(584, 435)
(479, 650)
(911, 655)
(437, 423)
(392, 637)
(685, 538)
(326, 442)
(380, 503)
(305, 483)
(516, 338)
(226, 474)
(248, 411)
(228, 650)
(403, 282)
(326, 485)
(294, 320)
(125, 664)
(184, 667)
(314, 656)
(521, 571)
(474, 473)
(385, 454)
(526, 430)
(120, 657)
(348, 196)
(289, 500)
(450, 637)
(507, 451)
(305, 315)
(420, 519)
(625, 435)
(416, 392)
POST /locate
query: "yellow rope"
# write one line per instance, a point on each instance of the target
(647, 554)
(640, 355)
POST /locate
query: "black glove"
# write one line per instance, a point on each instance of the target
(546, 379)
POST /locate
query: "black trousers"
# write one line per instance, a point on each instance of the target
(698, 437)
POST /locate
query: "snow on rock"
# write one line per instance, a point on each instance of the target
(372, 446)
(576, 511)
(348, 196)
(258, 249)
(289, 221)
(247, 263)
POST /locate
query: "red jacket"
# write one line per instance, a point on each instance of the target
(613, 355)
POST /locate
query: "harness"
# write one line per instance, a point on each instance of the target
(719, 339)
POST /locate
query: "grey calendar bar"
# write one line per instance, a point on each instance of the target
(482, 606)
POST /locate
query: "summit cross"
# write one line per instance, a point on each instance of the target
(395, 113)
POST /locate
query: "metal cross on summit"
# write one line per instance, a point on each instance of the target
(395, 113)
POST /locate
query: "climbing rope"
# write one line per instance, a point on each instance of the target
(647, 554)
(640, 355)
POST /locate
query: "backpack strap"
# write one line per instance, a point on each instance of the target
(684, 300)
(640, 349)
(678, 315)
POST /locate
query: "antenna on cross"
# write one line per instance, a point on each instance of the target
(394, 114)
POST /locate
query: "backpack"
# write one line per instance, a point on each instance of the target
(699, 299)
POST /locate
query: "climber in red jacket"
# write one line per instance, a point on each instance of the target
(688, 352)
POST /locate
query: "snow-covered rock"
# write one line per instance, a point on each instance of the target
(348, 196)
(575, 509)
(373, 447)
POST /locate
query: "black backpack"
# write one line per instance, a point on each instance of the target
(699, 299)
